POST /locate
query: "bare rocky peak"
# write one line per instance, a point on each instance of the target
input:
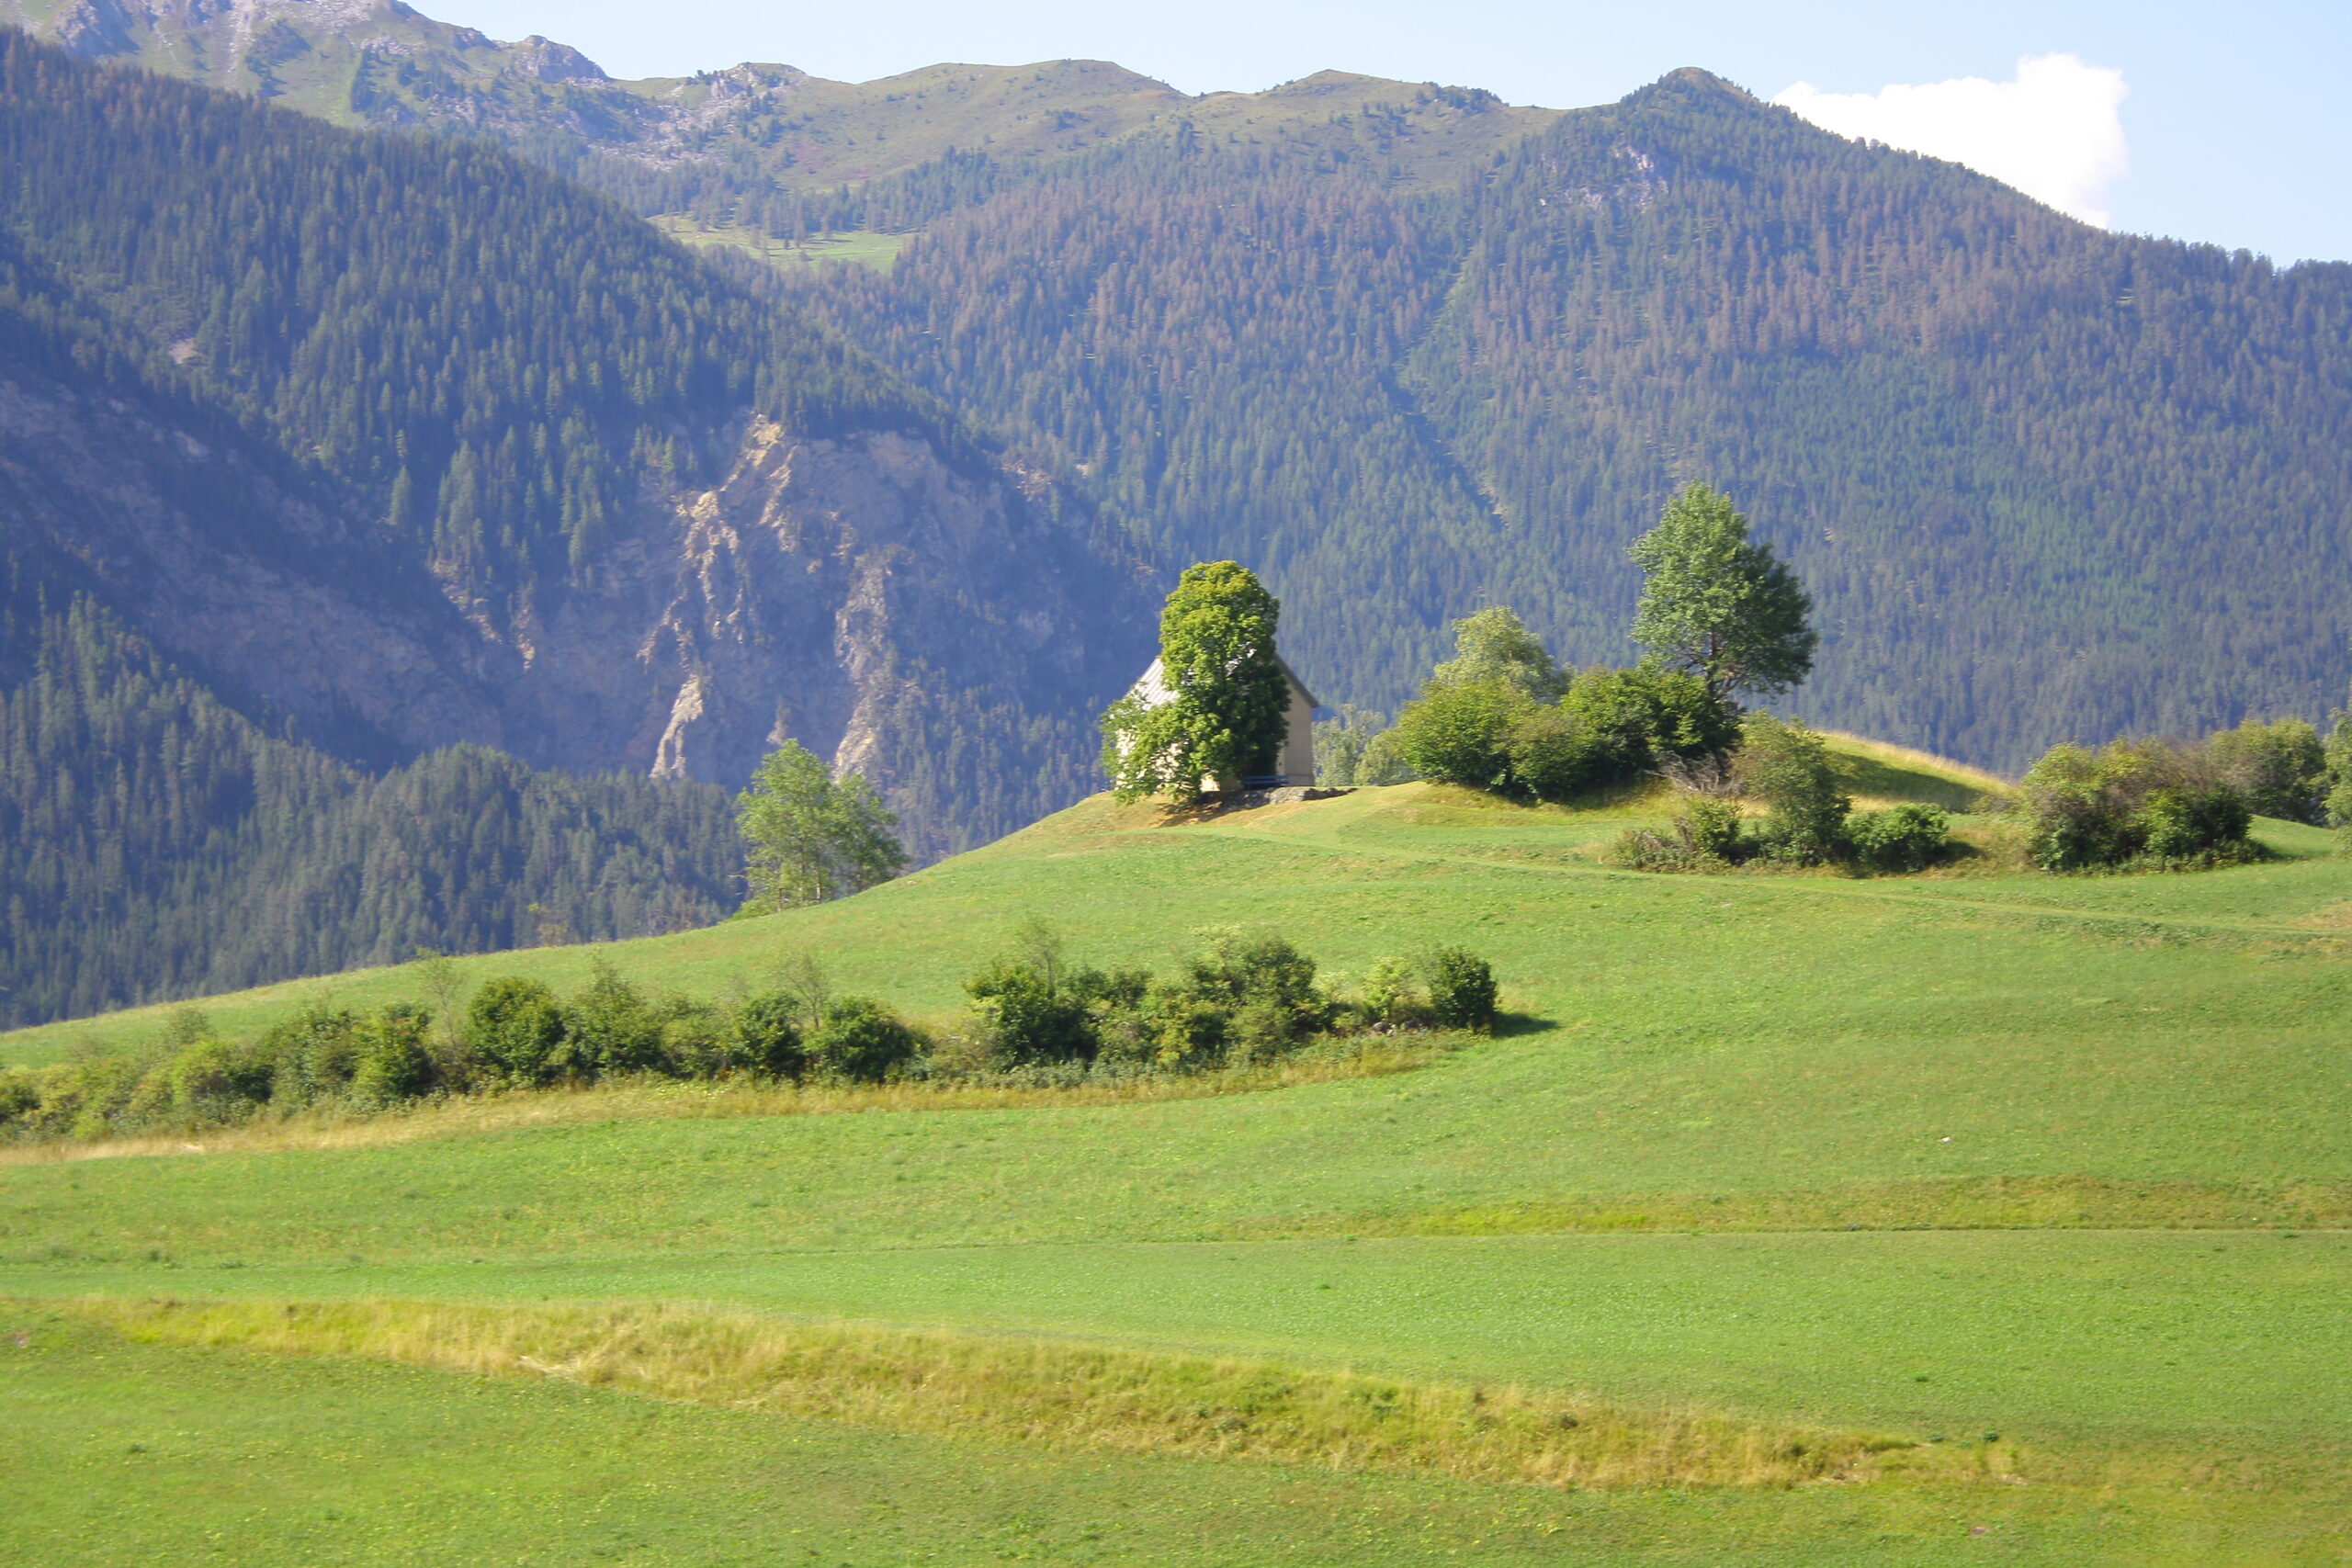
(101, 27)
(240, 43)
(546, 61)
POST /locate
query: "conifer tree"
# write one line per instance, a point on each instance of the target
(1718, 603)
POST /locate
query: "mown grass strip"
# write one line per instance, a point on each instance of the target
(1062, 1396)
(1975, 1202)
(662, 1099)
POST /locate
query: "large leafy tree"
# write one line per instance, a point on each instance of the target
(813, 836)
(1719, 605)
(1222, 704)
(1495, 645)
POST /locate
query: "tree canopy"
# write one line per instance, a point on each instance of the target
(1495, 645)
(813, 836)
(1223, 705)
(1719, 605)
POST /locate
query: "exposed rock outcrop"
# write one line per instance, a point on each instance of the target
(935, 630)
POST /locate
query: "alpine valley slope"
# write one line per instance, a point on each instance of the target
(1406, 349)
(389, 447)
(2047, 1175)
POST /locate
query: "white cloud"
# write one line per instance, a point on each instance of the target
(2053, 133)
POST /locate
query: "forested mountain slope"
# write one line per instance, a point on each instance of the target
(389, 445)
(154, 842)
(2044, 480)
(636, 516)
(1406, 349)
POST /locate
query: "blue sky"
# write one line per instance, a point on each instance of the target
(2230, 124)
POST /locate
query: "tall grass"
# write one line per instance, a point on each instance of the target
(1061, 1396)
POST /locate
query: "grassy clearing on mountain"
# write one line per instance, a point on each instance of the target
(1742, 1055)
(861, 248)
(1060, 1395)
(1725, 1037)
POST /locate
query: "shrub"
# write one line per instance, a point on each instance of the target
(314, 1054)
(1239, 971)
(2278, 768)
(393, 1062)
(1788, 767)
(1461, 990)
(697, 1043)
(1900, 839)
(2191, 823)
(1637, 718)
(1029, 1016)
(1460, 732)
(1390, 993)
(862, 1041)
(1709, 827)
(1175, 1026)
(1384, 760)
(1550, 758)
(609, 1028)
(1704, 835)
(19, 1097)
(2078, 805)
(214, 1080)
(2335, 810)
(2087, 808)
(766, 1035)
(518, 1028)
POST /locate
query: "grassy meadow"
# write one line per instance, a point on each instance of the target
(2042, 1182)
(863, 247)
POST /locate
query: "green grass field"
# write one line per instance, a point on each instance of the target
(2063, 1160)
(862, 247)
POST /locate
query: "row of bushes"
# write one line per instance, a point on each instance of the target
(1809, 818)
(1502, 717)
(1245, 999)
(1608, 726)
(2167, 805)
(515, 1034)
(2143, 802)
(2132, 803)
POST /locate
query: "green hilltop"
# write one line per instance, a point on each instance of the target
(2041, 1181)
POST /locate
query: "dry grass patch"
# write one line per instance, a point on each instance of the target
(1980, 1202)
(1061, 1396)
(469, 1115)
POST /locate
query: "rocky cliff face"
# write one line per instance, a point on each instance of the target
(861, 596)
(935, 630)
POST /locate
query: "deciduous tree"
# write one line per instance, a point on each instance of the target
(1224, 702)
(814, 837)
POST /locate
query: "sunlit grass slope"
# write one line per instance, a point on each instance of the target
(129, 1452)
(2066, 1160)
